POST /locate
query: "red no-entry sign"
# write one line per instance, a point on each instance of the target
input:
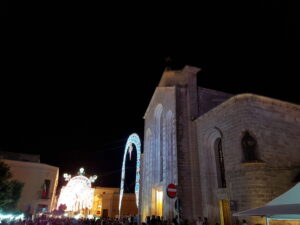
(172, 190)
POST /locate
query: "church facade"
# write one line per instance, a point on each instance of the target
(225, 153)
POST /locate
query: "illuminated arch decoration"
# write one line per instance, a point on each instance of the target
(133, 139)
(78, 193)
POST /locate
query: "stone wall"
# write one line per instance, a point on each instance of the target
(208, 99)
(191, 102)
(276, 128)
(188, 175)
(284, 222)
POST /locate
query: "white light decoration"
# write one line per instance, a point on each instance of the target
(11, 217)
(81, 171)
(78, 193)
(133, 139)
(77, 217)
(67, 176)
(93, 178)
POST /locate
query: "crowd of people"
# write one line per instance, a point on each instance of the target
(72, 221)
(154, 220)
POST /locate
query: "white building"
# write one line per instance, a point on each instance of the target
(40, 182)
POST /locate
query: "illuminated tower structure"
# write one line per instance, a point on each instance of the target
(78, 194)
(170, 153)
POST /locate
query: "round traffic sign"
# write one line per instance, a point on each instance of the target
(172, 190)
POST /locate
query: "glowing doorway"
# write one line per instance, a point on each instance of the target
(159, 203)
(225, 212)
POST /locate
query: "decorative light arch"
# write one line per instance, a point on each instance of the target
(133, 139)
(78, 193)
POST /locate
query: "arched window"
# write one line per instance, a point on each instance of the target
(158, 163)
(170, 148)
(220, 164)
(249, 146)
(148, 155)
(161, 160)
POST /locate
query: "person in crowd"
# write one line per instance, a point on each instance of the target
(175, 220)
(158, 220)
(148, 220)
(186, 222)
(199, 221)
(153, 220)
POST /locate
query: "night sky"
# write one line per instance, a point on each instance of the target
(4, 8)
(76, 92)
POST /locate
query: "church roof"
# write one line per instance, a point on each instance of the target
(253, 99)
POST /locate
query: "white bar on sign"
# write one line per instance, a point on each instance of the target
(172, 189)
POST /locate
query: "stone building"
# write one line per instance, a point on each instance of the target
(225, 153)
(40, 181)
(106, 203)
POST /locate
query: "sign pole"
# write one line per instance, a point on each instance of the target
(178, 211)
(172, 193)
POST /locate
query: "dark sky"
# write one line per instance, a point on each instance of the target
(4, 8)
(78, 89)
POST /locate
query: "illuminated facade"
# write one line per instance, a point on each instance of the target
(133, 139)
(78, 194)
(159, 161)
(224, 153)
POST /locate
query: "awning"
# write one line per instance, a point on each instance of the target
(285, 217)
(270, 210)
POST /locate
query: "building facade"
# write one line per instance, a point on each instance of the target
(106, 203)
(40, 182)
(225, 153)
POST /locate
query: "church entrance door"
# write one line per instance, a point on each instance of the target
(157, 201)
(225, 213)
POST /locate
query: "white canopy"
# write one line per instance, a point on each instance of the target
(292, 196)
(285, 206)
